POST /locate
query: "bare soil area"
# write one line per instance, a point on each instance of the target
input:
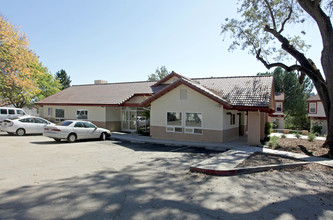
(260, 159)
(303, 146)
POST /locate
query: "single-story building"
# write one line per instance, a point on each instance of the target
(215, 109)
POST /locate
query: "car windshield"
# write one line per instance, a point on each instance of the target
(66, 123)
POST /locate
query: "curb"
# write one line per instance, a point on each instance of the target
(245, 170)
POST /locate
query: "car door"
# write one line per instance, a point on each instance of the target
(40, 125)
(80, 130)
(29, 125)
(92, 131)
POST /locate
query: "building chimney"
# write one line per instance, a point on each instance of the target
(97, 82)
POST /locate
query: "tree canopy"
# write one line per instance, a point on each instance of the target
(295, 105)
(160, 73)
(20, 70)
(64, 79)
(261, 31)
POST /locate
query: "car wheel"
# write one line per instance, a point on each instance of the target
(20, 132)
(103, 136)
(57, 139)
(71, 138)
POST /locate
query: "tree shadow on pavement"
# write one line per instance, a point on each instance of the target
(164, 189)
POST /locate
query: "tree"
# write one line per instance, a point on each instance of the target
(295, 105)
(160, 73)
(47, 83)
(16, 61)
(264, 23)
(63, 78)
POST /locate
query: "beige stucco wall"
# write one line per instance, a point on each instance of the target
(195, 102)
(254, 128)
(320, 111)
(215, 124)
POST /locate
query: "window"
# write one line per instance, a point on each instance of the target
(193, 123)
(20, 112)
(11, 111)
(40, 121)
(3, 111)
(82, 114)
(59, 114)
(313, 107)
(279, 107)
(174, 122)
(232, 119)
(79, 125)
(89, 125)
(49, 111)
(27, 120)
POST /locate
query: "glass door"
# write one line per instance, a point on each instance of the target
(128, 122)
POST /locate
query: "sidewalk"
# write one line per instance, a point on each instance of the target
(225, 163)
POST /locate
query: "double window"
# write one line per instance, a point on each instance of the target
(192, 122)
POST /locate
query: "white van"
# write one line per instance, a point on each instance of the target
(8, 112)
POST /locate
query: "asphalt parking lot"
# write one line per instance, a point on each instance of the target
(43, 179)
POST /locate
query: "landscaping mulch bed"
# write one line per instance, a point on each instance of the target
(260, 159)
(302, 146)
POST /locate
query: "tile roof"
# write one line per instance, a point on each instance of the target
(241, 91)
(249, 91)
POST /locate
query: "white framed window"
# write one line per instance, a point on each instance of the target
(193, 123)
(59, 114)
(279, 107)
(82, 114)
(174, 122)
(313, 107)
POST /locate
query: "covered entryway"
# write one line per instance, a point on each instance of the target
(134, 119)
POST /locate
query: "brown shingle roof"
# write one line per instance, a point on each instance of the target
(314, 98)
(101, 94)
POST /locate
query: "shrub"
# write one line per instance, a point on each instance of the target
(283, 136)
(274, 142)
(297, 135)
(316, 129)
(268, 127)
(311, 137)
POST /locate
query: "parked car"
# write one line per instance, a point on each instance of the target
(73, 130)
(8, 112)
(24, 125)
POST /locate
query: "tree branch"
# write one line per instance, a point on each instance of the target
(285, 21)
(271, 13)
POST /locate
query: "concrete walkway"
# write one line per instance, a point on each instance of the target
(226, 163)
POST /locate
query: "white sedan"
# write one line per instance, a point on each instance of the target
(73, 130)
(25, 125)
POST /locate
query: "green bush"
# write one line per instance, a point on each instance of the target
(283, 136)
(297, 135)
(316, 129)
(311, 137)
(268, 128)
(274, 142)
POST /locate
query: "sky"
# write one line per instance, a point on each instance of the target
(126, 40)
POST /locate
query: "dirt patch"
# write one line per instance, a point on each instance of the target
(261, 159)
(302, 146)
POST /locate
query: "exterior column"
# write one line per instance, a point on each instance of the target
(263, 120)
(253, 137)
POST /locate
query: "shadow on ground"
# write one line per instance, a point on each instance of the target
(164, 189)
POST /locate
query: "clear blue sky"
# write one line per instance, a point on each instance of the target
(126, 40)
